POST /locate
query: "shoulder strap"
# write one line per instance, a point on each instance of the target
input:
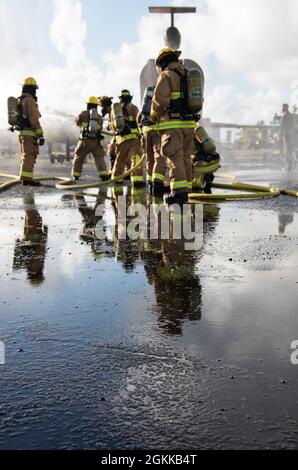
(179, 72)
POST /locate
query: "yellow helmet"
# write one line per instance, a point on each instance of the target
(166, 51)
(92, 100)
(30, 81)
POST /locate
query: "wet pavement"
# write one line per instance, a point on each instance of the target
(122, 344)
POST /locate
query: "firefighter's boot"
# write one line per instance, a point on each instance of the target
(105, 178)
(208, 180)
(158, 189)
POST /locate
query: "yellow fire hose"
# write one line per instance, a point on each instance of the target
(74, 187)
(289, 192)
(8, 175)
(254, 192)
(7, 184)
(16, 180)
(226, 176)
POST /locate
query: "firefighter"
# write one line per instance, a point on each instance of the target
(106, 106)
(106, 103)
(176, 125)
(90, 123)
(31, 133)
(128, 145)
(156, 164)
(286, 134)
(151, 146)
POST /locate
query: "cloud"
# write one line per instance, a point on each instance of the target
(255, 38)
(68, 31)
(247, 49)
(69, 85)
(227, 105)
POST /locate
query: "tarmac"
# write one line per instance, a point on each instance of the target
(118, 344)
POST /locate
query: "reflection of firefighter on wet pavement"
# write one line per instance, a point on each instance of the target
(283, 221)
(90, 123)
(30, 252)
(90, 221)
(127, 250)
(172, 271)
(176, 285)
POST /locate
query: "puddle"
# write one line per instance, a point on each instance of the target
(186, 348)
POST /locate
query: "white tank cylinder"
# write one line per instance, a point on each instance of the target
(12, 110)
(93, 123)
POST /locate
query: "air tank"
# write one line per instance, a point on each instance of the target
(147, 101)
(12, 110)
(195, 87)
(93, 123)
(117, 116)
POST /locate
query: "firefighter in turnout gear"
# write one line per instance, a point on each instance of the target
(127, 142)
(156, 164)
(106, 103)
(90, 123)
(175, 123)
(30, 131)
(286, 135)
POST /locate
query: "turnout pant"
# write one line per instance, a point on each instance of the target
(84, 147)
(156, 163)
(126, 151)
(177, 147)
(29, 150)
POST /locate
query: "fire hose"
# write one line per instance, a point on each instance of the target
(252, 191)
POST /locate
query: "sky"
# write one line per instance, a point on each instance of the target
(77, 48)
